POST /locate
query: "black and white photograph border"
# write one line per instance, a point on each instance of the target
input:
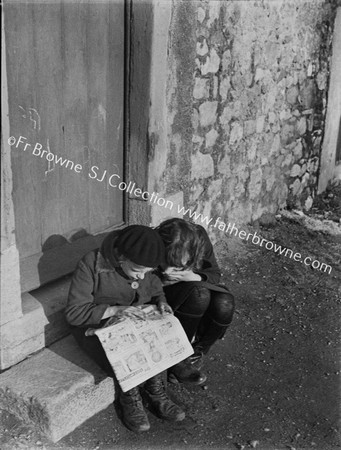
(224, 114)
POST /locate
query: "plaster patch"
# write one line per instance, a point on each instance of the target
(158, 214)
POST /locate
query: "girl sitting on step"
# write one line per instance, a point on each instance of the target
(114, 280)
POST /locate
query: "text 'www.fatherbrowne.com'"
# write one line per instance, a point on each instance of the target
(113, 181)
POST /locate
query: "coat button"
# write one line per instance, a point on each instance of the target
(135, 285)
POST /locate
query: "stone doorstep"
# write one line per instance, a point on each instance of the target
(56, 390)
(41, 324)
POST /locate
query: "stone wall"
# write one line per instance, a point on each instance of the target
(246, 99)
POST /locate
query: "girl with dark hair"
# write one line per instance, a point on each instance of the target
(112, 281)
(191, 283)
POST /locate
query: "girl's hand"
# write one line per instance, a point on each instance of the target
(163, 307)
(183, 275)
(119, 311)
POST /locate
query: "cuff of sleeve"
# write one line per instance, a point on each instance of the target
(154, 300)
(98, 312)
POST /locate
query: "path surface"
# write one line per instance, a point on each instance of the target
(273, 382)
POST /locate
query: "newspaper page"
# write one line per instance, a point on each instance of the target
(139, 347)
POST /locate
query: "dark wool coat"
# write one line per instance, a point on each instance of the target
(98, 283)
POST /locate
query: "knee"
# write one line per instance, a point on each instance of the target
(228, 304)
(197, 301)
(224, 306)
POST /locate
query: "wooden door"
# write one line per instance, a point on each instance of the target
(65, 67)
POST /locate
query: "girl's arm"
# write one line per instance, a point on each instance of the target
(158, 297)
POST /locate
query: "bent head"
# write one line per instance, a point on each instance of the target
(183, 243)
(133, 270)
(138, 248)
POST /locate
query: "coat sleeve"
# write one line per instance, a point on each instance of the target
(157, 293)
(81, 309)
(209, 270)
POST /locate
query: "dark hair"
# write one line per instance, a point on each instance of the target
(182, 239)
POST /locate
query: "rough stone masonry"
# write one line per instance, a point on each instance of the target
(246, 99)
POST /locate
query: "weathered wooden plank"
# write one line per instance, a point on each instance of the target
(104, 152)
(139, 93)
(49, 87)
(43, 267)
(98, 53)
(74, 210)
(19, 28)
(116, 96)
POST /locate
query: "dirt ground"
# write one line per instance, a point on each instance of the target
(274, 380)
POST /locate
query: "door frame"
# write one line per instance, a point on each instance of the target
(329, 170)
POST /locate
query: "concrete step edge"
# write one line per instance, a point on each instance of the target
(56, 389)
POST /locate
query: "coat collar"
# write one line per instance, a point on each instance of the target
(103, 265)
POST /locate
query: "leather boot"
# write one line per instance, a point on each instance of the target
(161, 404)
(189, 323)
(207, 334)
(197, 359)
(186, 372)
(133, 414)
(204, 342)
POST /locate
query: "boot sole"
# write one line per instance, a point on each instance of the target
(174, 380)
(136, 430)
(179, 418)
